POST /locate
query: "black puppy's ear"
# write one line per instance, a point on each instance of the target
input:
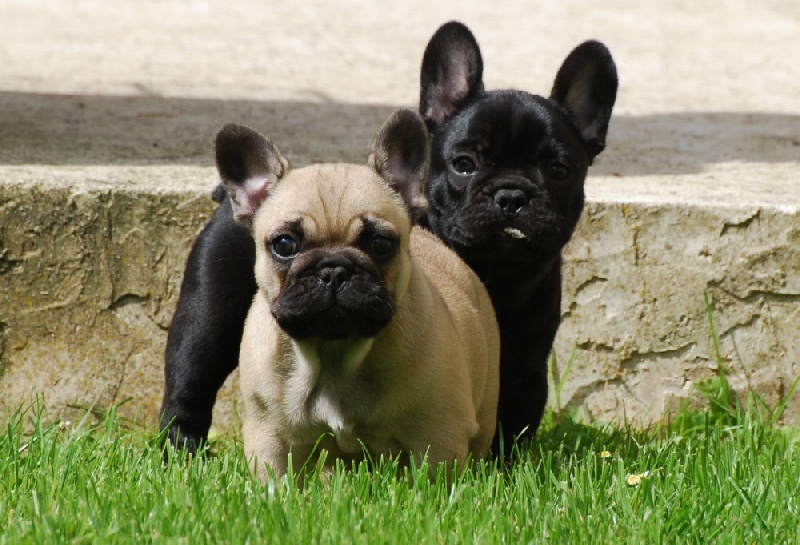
(451, 74)
(249, 165)
(400, 156)
(586, 85)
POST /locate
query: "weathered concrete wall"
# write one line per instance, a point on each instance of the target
(634, 309)
(90, 277)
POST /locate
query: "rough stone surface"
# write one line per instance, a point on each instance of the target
(90, 281)
(635, 312)
(107, 111)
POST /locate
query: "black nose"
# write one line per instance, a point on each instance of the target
(334, 271)
(510, 200)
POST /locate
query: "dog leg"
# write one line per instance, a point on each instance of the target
(203, 341)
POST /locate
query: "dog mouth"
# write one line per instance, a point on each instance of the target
(484, 239)
(485, 230)
(513, 232)
(357, 308)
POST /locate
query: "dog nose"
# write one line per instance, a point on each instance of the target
(334, 272)
(510, 200)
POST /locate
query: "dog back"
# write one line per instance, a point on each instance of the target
(471, 309)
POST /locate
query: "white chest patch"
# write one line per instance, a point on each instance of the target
(323, 375)
(327, 410)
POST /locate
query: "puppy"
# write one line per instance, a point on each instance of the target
(364, 334)
(506, 191)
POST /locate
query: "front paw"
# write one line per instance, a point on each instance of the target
(180, 436)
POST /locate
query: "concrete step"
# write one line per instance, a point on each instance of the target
(106, 120)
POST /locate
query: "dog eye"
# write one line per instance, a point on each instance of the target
(285, 246)
(464, 164)
(557, 170)
(382, 246)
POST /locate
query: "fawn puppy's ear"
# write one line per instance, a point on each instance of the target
(249, 165)
(400, 156)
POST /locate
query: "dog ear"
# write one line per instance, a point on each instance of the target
(249, 165)
(451, 73)
(400, 156)
(586, 85)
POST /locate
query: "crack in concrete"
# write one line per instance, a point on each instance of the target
(752, 296)
(634, 361)
(127, 299)
(117, 387)
(3, 342)
(7, 264)
(739, 224)
(596, 346)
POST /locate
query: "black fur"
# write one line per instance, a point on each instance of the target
(505, 191)
(203, 340)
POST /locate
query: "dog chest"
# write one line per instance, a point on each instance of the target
(327, 409)
(325, 397)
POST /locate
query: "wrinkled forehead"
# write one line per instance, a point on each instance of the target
(334, 202)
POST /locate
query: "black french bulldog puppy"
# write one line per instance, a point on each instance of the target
(505, 192)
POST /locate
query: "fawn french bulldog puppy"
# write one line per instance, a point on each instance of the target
(364, 332)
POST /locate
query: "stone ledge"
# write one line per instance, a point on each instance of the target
(91, 261)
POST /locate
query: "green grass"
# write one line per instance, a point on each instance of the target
(725, 477)
(729, 474)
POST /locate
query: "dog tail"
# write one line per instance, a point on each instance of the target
(219, 193)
